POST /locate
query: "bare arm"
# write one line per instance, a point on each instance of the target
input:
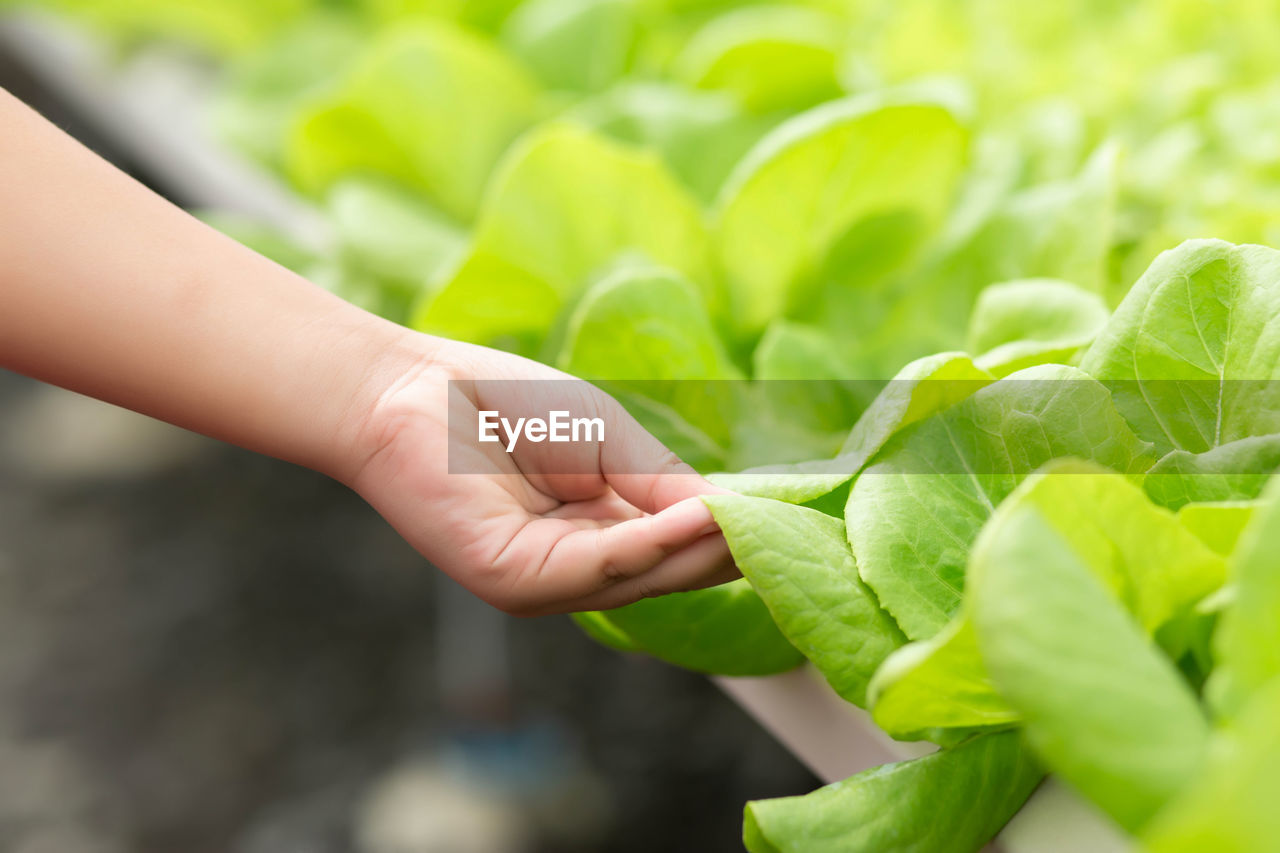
(112, 291)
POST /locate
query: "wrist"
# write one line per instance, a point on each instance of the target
(384, 358)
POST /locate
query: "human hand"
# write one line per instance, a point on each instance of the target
(548, 527)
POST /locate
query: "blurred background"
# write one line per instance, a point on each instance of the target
(206, 650)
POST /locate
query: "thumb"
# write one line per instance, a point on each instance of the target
(644, 472)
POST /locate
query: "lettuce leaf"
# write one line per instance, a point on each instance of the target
(815, 179)
(1101, 706)
(915, 511)
(1191, 353)
(798, 561)
(955, 799)
(407, 110)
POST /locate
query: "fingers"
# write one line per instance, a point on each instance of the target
(644, 472)
(703, 564)
(554, 565)
(629, 459)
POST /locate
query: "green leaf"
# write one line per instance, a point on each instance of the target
(956, 799)
(263, 90)
(694, 446)
(579, 45)
(801, 401)
(769, 57)
(644, 323)
(915, 511)
(1142, 553)
(1234, 471)
(922, 388)
(1144, 556)
(793, 483)
(409, 110)
(799, 563)
(1232, 807)
(1019, 324)
(390, 233)
(938, 683)
(596, 625)
(700, 135)
(1102, 706)
(1177, 348)
(1247, 642)
(725, 630)
(796, 195)
(649, 325)
(526, 265)
(1217, 525)
(1060, 230)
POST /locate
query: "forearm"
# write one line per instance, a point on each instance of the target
(111, 291)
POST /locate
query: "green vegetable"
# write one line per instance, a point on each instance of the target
(936, 684)
(647, 329)
(1144, 555)
(792, 210)
(1101, 706)
(769, 57)
(1218, 525)
(406, 110)
(797, 559)
(920, 389)
(724, 630)
(572, 44)
(955, 799)
(914, 512)
(1019, 324)
(1236, 470)
(1190, 352)
(1232, 808)
(525, 267)
(1247, 642)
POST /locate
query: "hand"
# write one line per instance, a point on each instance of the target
(549, 527)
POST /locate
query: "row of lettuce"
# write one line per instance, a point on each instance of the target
(1046, 546)
(1067, 569)
(1071, 570)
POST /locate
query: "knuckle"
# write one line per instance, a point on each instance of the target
(667, 464)
(647, 589)
(670, 463)
(612, 571)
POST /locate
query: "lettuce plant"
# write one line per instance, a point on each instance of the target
(1037, 590)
